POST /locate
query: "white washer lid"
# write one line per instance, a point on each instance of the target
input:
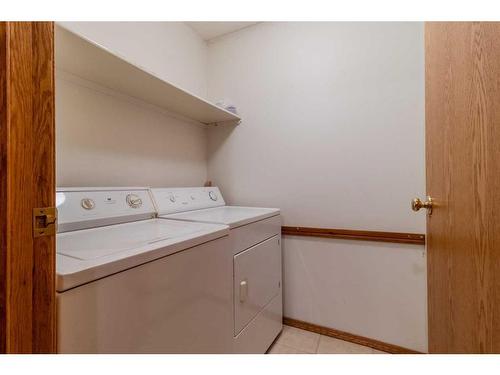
(234, 216)
(90, 254)
(104, 241)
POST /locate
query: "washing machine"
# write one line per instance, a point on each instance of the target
(130, 283)
(255, 246)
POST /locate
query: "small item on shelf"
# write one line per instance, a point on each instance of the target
(227, 106)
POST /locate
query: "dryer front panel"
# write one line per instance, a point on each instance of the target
(257, 279)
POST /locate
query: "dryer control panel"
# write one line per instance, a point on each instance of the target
(174, 200)
(81, 208)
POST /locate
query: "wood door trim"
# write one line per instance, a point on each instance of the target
(346, 336)
(3, 184)
(27, 180)
(360, 235)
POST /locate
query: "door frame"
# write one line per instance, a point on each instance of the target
(27, 181)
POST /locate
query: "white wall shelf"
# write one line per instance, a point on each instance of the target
(93, 62)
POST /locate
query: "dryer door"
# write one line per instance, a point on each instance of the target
(257, 279)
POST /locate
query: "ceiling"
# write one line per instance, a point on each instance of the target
(210, 30)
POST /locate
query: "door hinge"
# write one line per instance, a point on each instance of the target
(44, 221)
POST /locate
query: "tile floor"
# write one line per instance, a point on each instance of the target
(297, 341)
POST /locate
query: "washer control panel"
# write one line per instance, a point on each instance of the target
(91, 207)
(174, 200)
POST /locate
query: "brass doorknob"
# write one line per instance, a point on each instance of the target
(417, 204)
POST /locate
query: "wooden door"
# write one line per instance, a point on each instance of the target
(27, 181)
(463, 177)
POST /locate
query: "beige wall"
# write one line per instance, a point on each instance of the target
(107, 139)
(333, 134)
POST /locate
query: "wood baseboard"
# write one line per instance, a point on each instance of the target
(346, 336)
(361, 235)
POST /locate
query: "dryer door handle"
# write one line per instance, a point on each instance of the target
(243, 290)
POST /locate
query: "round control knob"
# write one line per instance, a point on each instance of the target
(172, 198)
(87, 203)
(134, 201)
(212, 195)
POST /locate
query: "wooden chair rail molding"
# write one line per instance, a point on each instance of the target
(346, 336)
(349, 234)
